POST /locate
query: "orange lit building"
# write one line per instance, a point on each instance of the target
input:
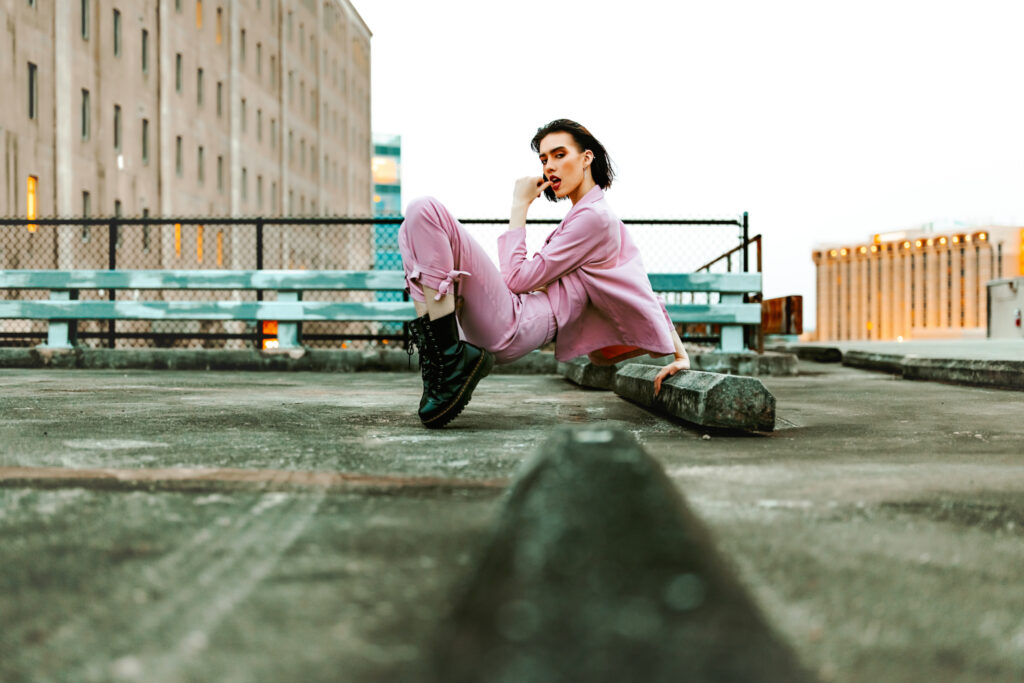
(914, 284)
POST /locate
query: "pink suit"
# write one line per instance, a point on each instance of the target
(597, 292)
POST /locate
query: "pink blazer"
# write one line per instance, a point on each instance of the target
(596, 282)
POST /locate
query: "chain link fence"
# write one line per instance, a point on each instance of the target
(323, 243)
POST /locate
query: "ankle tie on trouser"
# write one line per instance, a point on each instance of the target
(445, 287)
(447, 278)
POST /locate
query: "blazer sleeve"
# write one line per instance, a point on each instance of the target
(584, 238)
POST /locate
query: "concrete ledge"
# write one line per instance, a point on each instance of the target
(1007, 374)
(598, 571)
(317, 360)
(869, 360)
(811, 352)
(584, 373)
(770, 363)
(703, 398)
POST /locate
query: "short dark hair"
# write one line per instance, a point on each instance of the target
(600, 168)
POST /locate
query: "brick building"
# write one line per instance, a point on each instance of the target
(923, 284)
(184, 108)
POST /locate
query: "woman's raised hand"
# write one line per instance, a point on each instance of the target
(527, 189)
(669, 370)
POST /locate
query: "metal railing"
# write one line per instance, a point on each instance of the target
(320, 243)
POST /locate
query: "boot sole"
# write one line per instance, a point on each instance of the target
(480, 370)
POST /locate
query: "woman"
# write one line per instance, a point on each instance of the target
(586, 289)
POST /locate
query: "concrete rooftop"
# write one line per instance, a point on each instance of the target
(261, 526)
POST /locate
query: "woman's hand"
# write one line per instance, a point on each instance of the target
(669, 370)
(527, 189)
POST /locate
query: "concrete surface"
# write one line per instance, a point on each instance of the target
(879, 528)
(598, 572)
(974, 362)
(317, 360)
(584, 373)
(967, 349)
(747, 364)
(708, 399)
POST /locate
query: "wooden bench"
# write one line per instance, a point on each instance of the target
(63, 307)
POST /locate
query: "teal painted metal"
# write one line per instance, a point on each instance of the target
(289, 310)
(726, 283)
(717, 314)
(303, 311)
(387, 280)
(58, 334)
(384, 280)
(344, 311)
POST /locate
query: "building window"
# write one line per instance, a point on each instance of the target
(84, 12)
(200, 171)
(312, 158)
(302, 153)
(145, 141)
(146, 242)
(85, 114)
(199, 14)
(220, 174)
(220, 98)
(291, 146)
(177, 5)
(259, 192)
(179, 161)
(302, 96)
(259, 59)
(273, 196)
(289, 26)
(199, 87)
(302, 34)
(259, 125)
(273, 71)
(117, 127)
(241, 47)
(220, 25)
(177, 72)
(291, 86)
(245, 183)
(32, 200)
(243, 114)
(33, 90)
(273, 133)
(145, 51)
(117, 33)
(85, 214)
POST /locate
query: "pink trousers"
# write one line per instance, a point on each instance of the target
(439, 253)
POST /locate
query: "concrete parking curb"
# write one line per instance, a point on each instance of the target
(316, 360)
(584, 373)
(598, 571)
(703, 398)
(868, 360)
(817, 354)
(1006, 374)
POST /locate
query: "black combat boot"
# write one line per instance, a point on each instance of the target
(451, 369)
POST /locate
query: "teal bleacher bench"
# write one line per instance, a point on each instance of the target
(63, 308)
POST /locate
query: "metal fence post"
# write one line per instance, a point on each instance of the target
(746, 236)
(112, 265)
(259, 266)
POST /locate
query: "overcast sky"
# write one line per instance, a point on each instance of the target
(827, 121)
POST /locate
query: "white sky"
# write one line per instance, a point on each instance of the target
(827, 121)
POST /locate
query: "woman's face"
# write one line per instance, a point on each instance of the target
(563, 163)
